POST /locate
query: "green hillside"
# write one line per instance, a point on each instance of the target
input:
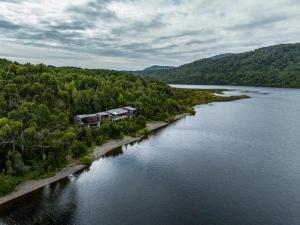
(275, 66)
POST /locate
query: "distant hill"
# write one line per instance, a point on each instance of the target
(275, 66)
(156, 67)
(221, 56)
(147, 71)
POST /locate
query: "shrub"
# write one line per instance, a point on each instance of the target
(142, 132)
(99, 140)
(38, 168)
(7, 184)
(141, 121)
(78, 149)
(85, 134)
(87, 160)
(112, 130)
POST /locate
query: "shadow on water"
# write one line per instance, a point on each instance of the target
(113, 153)
(24, 210)
(253, 92)
(40, 208)
(120, 150)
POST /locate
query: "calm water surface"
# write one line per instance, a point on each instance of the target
(232, 163)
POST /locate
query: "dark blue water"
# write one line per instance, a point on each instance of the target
(232, 163)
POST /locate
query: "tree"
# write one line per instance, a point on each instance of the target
(9, 132)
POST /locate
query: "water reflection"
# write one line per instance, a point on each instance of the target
(114, 153)
(41, 207)
(120, 150)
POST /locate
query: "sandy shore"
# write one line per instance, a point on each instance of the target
(30, 186)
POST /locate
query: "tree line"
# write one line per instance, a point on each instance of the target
(38, 103)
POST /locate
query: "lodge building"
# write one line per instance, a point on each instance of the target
(110, 115)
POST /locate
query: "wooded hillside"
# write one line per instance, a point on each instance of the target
(276, 66)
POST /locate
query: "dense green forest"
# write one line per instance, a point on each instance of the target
(276, 66)
(38, 103)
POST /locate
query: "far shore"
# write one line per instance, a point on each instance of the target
(31, 186)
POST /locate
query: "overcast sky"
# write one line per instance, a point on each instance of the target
(133, 34)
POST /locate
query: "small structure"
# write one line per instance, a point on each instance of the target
(101, 117)
(87, 120)
(131, 111)
(118, 114)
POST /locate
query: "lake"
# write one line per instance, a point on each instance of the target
(232, 163)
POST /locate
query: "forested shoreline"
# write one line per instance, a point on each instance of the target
(38, 103)
(274, 66)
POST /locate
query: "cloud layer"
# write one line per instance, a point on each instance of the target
(133, 34)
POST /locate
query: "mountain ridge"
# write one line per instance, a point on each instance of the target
(273, 66)
(158, 67)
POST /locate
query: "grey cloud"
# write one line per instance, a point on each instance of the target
(259, 22)
(148, 49)
(50, 35)
(7, 25)
(201, 42)
(12, 1)
(24, 55)
(74, 25)
(169, 34)
(182, 34)
(91, 11)
(138, 28)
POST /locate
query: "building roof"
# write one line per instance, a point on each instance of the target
(102, 113)
(86, 116)
(129, 108)
(81, 116)
(117, 111)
